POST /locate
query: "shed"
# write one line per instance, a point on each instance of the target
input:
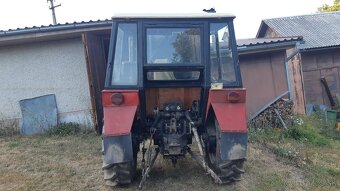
(319, 54)
(68, 60)
(264, 70)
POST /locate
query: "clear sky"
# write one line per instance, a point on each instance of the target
(249, 13)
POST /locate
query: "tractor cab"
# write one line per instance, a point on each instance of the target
(171, 79)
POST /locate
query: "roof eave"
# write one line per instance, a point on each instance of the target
(319, 48)
(265, 47)
(37, 36)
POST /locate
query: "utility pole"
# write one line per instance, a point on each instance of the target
(52, 7)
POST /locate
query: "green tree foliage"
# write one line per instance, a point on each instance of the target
(330, 8)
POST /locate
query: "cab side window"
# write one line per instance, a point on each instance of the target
(125, 57)
(221, 58)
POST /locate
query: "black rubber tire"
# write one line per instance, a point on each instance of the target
(229, 171)
(121, 173)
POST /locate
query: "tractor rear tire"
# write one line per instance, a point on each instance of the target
(121, 173)
(229, 171)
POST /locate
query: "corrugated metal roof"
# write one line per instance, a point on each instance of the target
(318, 30)
(57, 27)
(262, 41)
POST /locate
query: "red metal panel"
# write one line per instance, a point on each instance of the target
(231, 116)
(118, 120)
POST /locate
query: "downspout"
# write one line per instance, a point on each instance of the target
(297, 51)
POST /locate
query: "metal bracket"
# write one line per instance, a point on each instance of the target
(148, 169)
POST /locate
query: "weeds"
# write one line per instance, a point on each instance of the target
(264, 134)
(64, 129)
(311, 144)
(8, 127)
(304, 133)
(286, 152)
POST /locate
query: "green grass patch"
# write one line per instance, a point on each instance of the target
(334, 173)
(64, 129)
(13, 144)
(310, 135)
(271, 182)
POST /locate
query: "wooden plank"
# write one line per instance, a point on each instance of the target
(157, 97)
(96, 67)
(336, 58)
(296, 83)
(152, 99)
(324, 59)
(308, 62)
(257, 78)
(279, 72)
(332, 79)
(312, 87)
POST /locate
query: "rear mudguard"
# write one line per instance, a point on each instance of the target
(118, 121)
(117, 149)
(231, 118)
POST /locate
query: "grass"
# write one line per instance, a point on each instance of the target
(50, 163)
(310, 146)
(271, 181)
(303, 158)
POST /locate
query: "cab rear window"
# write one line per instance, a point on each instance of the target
(173, 46)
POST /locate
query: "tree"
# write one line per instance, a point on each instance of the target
(330, 8)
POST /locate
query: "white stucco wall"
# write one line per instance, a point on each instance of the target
(53, 67)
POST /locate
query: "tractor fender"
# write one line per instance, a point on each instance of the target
(118, 120)
(233, 130)
(232, 123)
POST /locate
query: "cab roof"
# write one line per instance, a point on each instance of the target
(171, 16)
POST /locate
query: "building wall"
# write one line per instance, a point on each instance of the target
(264, 77)
(53, 67)
(316, 64)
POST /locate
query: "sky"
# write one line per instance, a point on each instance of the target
(249, 13)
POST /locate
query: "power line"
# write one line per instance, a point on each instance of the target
(52, 7)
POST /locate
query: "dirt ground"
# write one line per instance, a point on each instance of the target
(74, 163)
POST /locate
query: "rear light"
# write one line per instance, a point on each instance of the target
(117, 98)
(233, 97)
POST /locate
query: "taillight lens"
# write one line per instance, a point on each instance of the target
(233, 97)
(117, 98)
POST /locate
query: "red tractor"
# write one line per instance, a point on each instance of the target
(172, 79)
